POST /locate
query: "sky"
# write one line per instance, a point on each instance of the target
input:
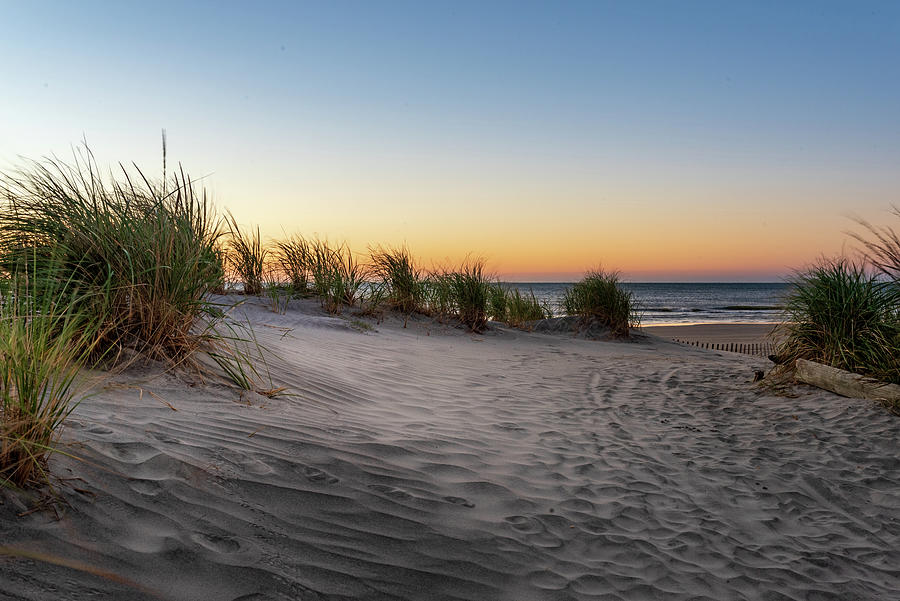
(673, 141)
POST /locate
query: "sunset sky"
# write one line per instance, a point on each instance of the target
(675, 141)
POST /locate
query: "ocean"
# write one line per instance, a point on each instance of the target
(687, 303)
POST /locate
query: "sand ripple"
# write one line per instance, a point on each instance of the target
(416, 463)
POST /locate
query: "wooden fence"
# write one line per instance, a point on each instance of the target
(761, 349)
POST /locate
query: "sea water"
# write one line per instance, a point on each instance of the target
(686, 303)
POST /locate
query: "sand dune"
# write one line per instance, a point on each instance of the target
(422, 462)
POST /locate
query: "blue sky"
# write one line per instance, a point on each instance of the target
(688, 140)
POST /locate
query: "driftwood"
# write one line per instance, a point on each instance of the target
(845, 383)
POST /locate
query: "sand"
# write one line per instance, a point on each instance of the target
(742, 333)
(422, 462)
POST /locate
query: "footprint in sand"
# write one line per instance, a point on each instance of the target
(128, 452)
(149, 488)
(525, 524)
(162, 437)
(314, 474)
(103, 430)
(510, 426)
(459, 501)
(394, 493)
(217, 544)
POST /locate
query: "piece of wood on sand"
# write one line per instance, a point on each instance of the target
(845, 383)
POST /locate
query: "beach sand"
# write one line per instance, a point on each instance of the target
(423, 462)
(741, 333)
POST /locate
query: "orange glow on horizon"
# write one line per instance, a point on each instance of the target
(652, 251)
(530, 227)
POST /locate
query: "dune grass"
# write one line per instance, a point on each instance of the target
(246, 257)
(372, 297)
(516, 309)
(437, 296)
(469, 291)
(104, 269)
(321, 267)
(277, 292)
(523, 308)
(599, 298)
(403, 279)
(45, 339)
(392, 280)
(144, 254)
(351, 275)
(498, 305)
(462, 294)
(337, 276)
(293, 256)
(842, 314)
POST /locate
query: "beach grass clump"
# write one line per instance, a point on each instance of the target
(325, 266)
(276, 292)
(437, 296)
(45, 338)
(841, 314)
(247, 257)
(397, 269)
(144, 253)
(524, 308)
(352, 275)
(497, 302)
(470, 293)
(372, 297)
(293, 256)
(462, 294)
(515, 308)
(337, 276)
(599, 298)
(321, 267)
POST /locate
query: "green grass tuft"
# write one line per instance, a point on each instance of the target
(498, 305)
(841, 314)
(246, 257)
(524, 308)
(437, 296)
(293, 256)
(144, 255)
(396, 268)
(469, 290)
(463, 294)
(599, 298)
(337, 276)
(512, 307)
(44, 340)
